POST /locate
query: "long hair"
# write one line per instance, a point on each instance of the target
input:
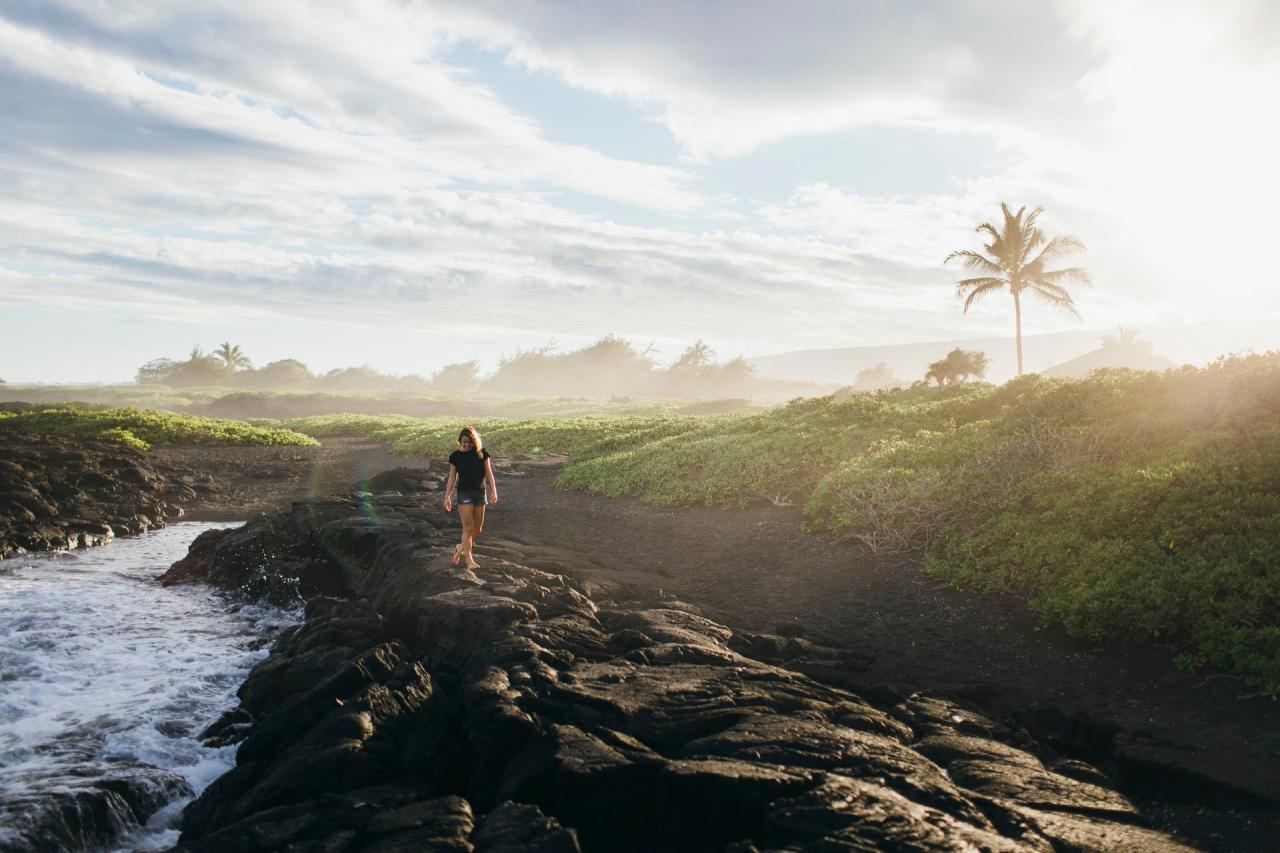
(476, 444)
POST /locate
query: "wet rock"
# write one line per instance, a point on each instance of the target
(520, 828)
(370, 819)
(404, 480)
(88, 812)
(58, 493)
(852, 814)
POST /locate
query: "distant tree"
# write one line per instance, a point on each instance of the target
(525, 372)
(608, 366)
(1012, 261)
(456, 377)
(412, 382)
(1125, 339)
(958, 366)
(198, 371)
(156, 371)
(875, 377)
(362, 378)
(735, 376)
(698, 356)
(233, 357)
(285, 373)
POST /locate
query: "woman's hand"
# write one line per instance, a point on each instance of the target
(493, 497)
(448, 504)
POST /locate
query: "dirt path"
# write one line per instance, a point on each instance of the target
(756, 569)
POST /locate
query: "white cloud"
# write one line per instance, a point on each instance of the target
(728, 76)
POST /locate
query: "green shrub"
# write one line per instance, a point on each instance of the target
(1128, 507)
(143, 428)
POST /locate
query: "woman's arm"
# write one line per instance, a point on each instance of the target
(488, 478)
(448, 489)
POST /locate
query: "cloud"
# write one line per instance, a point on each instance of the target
(153, 83)
(726, 76)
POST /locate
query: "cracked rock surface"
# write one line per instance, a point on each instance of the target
(58, 494)
(419, 706)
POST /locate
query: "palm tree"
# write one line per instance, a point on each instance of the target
(232, 356)
(1011, 261)
(698, 356)
(1126, 339)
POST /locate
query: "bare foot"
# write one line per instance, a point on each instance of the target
(472, 564)
(457, 555)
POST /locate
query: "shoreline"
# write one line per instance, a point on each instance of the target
(1163, 731)
(593, 708)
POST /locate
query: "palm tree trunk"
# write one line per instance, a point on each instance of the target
(1017, 319)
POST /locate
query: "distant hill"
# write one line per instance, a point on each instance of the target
(1132, 357)
(909, 361)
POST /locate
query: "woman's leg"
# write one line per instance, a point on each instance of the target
(468, 519)
(475, 521)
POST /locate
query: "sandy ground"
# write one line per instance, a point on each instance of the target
(756, 569)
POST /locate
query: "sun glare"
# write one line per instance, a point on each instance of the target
(1192, 170)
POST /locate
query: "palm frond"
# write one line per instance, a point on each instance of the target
(1063, 244)
(1077, 274)
(1049, 287)
(999, 246)
(989, 229)
(1055, 296)
(1029, 235)
(1009, 215)
(974, 288)
(976, 261)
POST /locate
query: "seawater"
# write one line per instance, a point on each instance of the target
(106, 675)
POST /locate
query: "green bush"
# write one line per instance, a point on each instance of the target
(143, 428)
(1128, 507)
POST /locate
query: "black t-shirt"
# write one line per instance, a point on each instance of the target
(470, 469)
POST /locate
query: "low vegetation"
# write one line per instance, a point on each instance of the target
(579, 437)
(145, 428)
(1129, 507)
(238, 404)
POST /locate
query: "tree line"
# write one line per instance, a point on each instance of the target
(610, 366)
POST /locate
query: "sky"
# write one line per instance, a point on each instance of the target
(408, 184)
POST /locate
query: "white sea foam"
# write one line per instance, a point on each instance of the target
(105, 674)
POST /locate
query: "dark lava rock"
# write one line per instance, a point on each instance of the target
(407, 480)
(88, 811)
(58, 493)
(420, 706)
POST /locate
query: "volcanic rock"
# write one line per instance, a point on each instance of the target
(514, 708)
(59, 493)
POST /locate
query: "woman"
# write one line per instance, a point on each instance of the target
(472, 471)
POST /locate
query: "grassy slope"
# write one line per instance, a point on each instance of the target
(143, 428)
(1128, 507)
(248, 400)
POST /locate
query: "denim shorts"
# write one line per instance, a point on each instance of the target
(472, 496)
